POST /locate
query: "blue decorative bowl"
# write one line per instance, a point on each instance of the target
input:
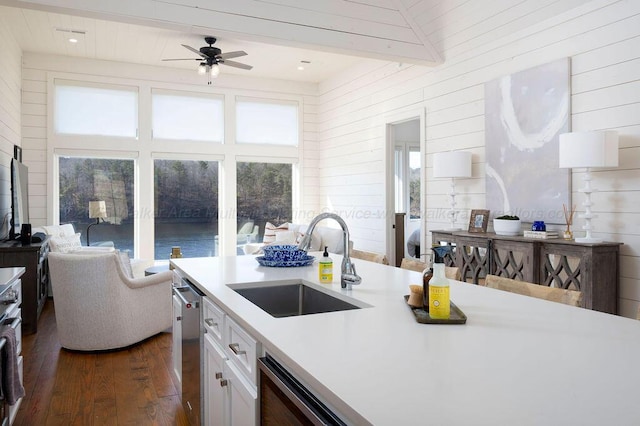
(538, 225)
(284, 253)
(308, 260)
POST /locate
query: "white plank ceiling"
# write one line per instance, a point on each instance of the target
(277, 34)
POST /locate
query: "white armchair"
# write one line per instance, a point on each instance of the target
(98, 305)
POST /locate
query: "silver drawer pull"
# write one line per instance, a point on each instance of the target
(235, 347)
(218, 375)
(210, 322)
(223, 383)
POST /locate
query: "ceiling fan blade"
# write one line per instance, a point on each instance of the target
(236, 64)
(197, 52)
(229, 55)
(188, 59)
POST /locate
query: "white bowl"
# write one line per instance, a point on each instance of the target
(507, 227)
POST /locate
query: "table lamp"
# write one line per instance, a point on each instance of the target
(452, 164)
(97, 211)
(588, 149)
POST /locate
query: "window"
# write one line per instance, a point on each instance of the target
(196, 118)
(175, 166)
(90, 179)
(88, 110)
(186, 207)
(415, 163)
(407, 162)
(264, 122)
(264, 194)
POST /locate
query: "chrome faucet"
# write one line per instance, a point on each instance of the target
(348, 276)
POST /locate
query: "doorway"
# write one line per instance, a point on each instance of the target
(406, 183)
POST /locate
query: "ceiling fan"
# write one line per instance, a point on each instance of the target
(211, 57)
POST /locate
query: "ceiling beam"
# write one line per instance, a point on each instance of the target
(354, 28)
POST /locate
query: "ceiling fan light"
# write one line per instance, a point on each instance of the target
(202, 68)
(215, 70)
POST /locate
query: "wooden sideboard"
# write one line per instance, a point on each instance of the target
(589, 268)
(35, 281)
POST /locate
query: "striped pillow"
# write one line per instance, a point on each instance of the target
(270, 231)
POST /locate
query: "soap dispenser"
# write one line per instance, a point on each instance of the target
(439, 301)
(325, 268)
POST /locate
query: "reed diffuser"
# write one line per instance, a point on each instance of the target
(568, 217)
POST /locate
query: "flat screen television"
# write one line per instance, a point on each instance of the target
(19, 198)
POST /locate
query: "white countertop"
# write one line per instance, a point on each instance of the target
(517, 360)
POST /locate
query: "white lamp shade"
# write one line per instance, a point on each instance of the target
(452, 164)
(589, 149)
(97, 209)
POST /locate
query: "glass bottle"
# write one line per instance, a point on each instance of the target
(426, 277)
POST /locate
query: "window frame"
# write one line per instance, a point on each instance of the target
(145, 149)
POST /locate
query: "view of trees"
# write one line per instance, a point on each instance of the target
(264, 193)
(414, 193)
(186, 192)
(86, 179)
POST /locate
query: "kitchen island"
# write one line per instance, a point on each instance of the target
(517, 360)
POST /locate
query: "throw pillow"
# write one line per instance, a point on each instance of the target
(285, 237)
(65, 230)
(270, 231)
(65, 244)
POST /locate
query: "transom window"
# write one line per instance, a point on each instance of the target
(187, 117)
(266, 122)
(95, 110)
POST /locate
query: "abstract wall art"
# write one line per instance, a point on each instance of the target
(525, 113)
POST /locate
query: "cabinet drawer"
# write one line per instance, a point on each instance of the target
(241, 348)
(213, 318)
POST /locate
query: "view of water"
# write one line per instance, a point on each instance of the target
(194, 239)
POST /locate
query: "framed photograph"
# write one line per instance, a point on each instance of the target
(479, 221)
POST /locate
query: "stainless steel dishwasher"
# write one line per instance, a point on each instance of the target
(190, 324)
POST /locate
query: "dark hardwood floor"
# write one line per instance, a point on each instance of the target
(132, 386)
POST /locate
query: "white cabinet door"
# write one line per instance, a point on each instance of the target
(216, 396)
(243, 398)
(177, 342)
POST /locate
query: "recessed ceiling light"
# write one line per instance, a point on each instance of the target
(72, 34)
(301, 67)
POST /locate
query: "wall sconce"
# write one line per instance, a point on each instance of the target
(97, 211)
(588, 149)
(453, 164)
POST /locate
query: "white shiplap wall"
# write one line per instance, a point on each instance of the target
(10, 74)
(601, 37)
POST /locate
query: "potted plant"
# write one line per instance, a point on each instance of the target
(507, 225)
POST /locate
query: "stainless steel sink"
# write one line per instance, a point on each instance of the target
(293, 299)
